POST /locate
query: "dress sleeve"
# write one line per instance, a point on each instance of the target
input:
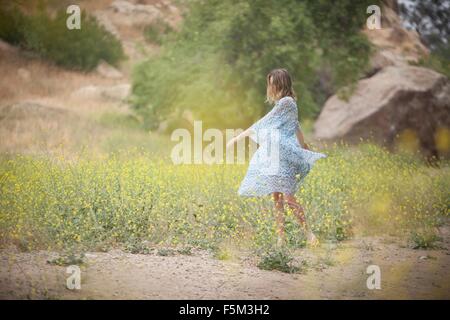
(284, 112)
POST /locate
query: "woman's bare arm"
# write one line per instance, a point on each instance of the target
(242, 135)
(301, 139)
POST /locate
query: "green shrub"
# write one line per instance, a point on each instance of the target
(135, 246)
(12, 26)
(157, 31)
(68, 258)
(222, 253)
(186, 251)
(80, 49)
(165, 252)
(50, 38)
(437, 62)
(424, 239)
(279, 259)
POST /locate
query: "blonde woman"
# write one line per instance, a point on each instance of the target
(294, 159)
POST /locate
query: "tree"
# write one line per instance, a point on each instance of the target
(430, 18)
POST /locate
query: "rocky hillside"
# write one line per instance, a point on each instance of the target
(43, 106)
(127, 20)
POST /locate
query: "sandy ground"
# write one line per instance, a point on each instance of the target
(333, 272)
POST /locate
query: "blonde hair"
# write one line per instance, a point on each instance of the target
(279, 85)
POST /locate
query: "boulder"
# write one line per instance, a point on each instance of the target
(105, 21)
(4, 46)
(123, 6)
(87, 92)
(135, 14)
(108, 71)
(115, 93)
(395, 100)
(394, 44)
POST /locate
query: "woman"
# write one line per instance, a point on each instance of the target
(283, 158)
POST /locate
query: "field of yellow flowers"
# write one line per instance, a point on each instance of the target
(128, 198)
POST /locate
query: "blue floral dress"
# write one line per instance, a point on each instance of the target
(280, 163)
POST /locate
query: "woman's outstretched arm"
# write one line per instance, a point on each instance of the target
(242, 135)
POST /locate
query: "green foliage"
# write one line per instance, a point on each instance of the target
(186, 251)
(222, 253)
(424, 239)
(136, 246)
(50, 38)
(12, 24)
(216, 65)
(279, 259)
(437, 61)
(68, 259)
(82, 49)
(164, 252)
(157, 31)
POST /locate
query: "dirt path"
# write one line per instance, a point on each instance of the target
(333, 272)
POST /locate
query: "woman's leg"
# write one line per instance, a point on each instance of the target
(299, 213)
(279, 213)
(297, 209)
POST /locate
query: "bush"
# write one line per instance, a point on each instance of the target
(136, 247)
(12, 24)
(49, 37)
(157, 31)
(424, 239)
(278, 259)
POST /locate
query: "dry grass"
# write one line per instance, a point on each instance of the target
(45, 80)
(29, 127)
(37, 110)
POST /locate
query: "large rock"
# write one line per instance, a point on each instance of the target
(127, 20)
(135, 14)
(4, 46)
(105, 21)
(115, 93)
(108, 71)
(382, 107)
(394, 44)
(118, 92)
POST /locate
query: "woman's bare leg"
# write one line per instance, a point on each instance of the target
(297, 209)
(299, 213)
(279, 213)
